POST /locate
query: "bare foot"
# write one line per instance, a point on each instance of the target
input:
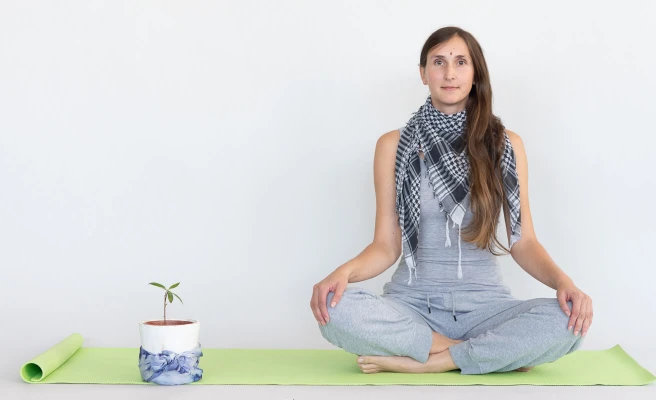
(524, 369)
(438, 362)
(441, 343)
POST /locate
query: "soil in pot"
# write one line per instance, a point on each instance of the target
(168, 322)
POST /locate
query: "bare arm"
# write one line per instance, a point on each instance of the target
(385, 249)
(534, 259)
(386, 246)
(528, 253)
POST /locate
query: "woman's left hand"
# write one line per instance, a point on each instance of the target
(581, 315)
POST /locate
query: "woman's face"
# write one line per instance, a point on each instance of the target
(449, 74)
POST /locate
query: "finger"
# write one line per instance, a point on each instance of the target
(315, 305)
(323, 294)
(312, 302)
(338, 294)
(562, 300)
(579, 325)
(586, 326)
(588, 319)
(576, 308)
(591, 314)
(320, 319)
(580, 319)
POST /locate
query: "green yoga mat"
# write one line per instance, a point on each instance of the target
(69, 362)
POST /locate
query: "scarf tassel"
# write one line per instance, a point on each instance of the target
(448, 243)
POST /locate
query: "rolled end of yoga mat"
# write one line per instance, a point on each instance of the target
(42, 365)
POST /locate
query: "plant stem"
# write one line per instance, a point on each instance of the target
(165, 293)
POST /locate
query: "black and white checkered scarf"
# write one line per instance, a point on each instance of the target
(440, 136)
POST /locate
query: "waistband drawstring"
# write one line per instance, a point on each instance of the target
(453, 302)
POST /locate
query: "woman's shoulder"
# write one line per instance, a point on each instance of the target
(515, 142)
(513, 137)
(390, 139)
(387, 145)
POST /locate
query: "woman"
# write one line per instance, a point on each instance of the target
(453, 161)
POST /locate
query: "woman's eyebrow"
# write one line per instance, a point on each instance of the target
(441, 56)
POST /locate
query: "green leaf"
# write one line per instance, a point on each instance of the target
(178, 297)
(170, 297)
(174, 285)
(158, 285)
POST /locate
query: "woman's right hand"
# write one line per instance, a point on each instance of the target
(335, 282)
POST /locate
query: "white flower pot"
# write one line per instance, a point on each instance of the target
(176, 338)
(170, 346)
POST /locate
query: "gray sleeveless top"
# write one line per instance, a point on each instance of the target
(441, 252)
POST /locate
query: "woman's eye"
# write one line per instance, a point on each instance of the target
(460, 62)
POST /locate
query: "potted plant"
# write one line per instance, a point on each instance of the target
(170, 348)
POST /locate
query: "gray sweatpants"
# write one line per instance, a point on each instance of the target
(499, 333)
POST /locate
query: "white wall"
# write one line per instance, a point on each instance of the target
(229, 146)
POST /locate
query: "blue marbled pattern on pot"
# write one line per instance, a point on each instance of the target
(170, 368)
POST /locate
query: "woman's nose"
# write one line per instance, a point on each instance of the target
(450, 73)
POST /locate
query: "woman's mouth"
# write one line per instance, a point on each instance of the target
(449, 88)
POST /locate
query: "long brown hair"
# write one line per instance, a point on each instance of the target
(485, 142)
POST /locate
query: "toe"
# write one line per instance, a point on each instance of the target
(365, 360)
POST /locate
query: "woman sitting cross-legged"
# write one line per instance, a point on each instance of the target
(446, 306)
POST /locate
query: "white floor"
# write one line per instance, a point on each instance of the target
(23, 391)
